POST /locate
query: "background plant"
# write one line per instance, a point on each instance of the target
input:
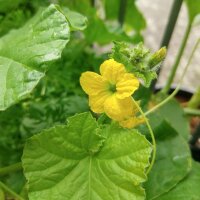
(58, 95)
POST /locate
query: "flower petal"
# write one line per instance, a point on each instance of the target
(92, 83)
(126, 85)
(132, 122)
(118, 109)
(112, 70)
(96, 102)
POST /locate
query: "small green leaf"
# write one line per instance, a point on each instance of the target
(24, 53)
(188, 189)
(76, 20)
(193, 9)
(77, 161)
(173, 160)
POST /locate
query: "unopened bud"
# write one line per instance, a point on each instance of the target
(157, 57)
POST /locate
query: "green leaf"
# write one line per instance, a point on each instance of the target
(102, 33)
(133, 17)
(78, 161)
(174, 114)
(9, 5)
(76, 20)
(17, 80)
(173, 161)
(24, 53)
(193, 9)
(188, 189)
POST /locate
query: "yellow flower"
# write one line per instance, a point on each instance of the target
(132, 120)
(111, 91)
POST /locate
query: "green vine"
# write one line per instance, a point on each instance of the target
(152, 136)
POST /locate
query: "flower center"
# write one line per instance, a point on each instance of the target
(112, 88)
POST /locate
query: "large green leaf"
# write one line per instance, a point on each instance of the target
(193, 9)
(83, 161)
(188, 189)
(173, 160)
(25, 52)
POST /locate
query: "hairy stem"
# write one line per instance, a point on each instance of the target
(152, 136)
(12, 168)
(166, 89)
(180, 82)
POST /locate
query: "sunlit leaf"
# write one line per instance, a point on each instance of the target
(83, 161)
(24, 53)
(76, 20)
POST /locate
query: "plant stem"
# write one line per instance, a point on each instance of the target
(171, 22)
(169, 30)
(7, 189)
(12, 168)
(195, 100)
(179, 85)
(191, 111)
(92, 3)
(152, 136)
(166, 89)
(122, 11)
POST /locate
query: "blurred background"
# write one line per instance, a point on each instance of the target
(156, 13)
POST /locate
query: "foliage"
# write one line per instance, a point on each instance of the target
(32, 52)
(45, 115)
(91, 157)
(139, 60)
(173, 164)
(186, 189)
